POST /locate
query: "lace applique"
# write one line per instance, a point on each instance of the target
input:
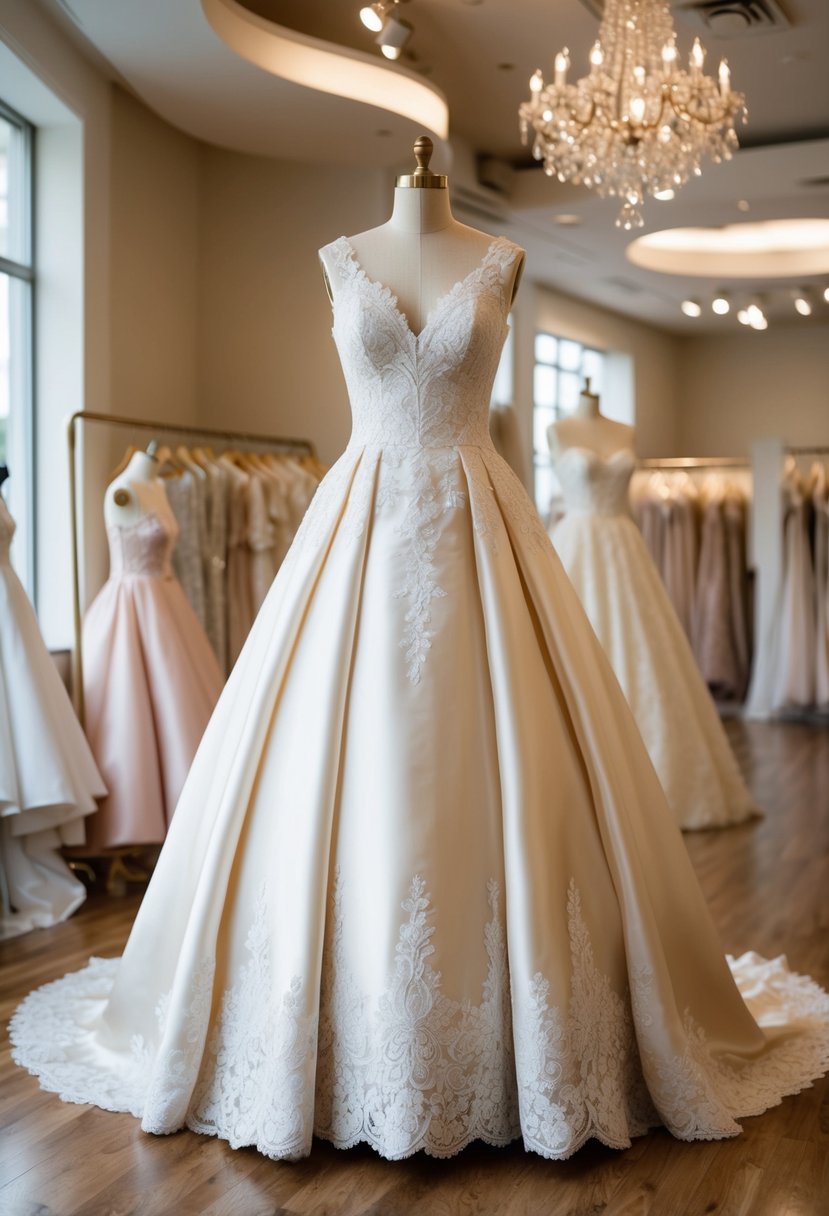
(255, 1081)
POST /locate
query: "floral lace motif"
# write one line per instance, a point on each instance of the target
(413, 1068)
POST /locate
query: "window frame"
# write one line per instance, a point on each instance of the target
(543, 459)
(24, 272)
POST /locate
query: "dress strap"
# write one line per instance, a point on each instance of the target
(498, 268)
(339, 257)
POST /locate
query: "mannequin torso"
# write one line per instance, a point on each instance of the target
(420, 253)
(589, 429)
(136, 492)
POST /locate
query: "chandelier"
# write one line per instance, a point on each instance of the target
(639, 123)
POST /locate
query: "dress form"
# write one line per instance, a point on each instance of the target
(136, 492)
(422, 251)
(588, 428)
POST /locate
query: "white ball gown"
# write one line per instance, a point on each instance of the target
(422, 886)
(48, 779)
(619, 586)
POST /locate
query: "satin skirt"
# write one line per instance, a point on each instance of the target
(619, 587)
(48, 779)
(151, 682)
(422, 886)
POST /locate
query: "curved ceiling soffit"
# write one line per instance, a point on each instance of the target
(327, 68)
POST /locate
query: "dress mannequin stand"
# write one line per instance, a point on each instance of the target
(620, 588)
(422, 251)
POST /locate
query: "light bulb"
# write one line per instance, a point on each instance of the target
(562, 63)
(669, 54)
(536, 81)
(743, 316)
(597, 55)
(691, 308)
(697, 55)
(392, 52)
(724, 78)
(803, 306)
(721, 304)
(664, 196)
(826, 294)
(637, 109)
(372, 17)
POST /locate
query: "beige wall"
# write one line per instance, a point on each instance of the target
(154, 264)
(267, 361)
(743, 386)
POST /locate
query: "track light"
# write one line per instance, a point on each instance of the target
(721, 304)
(691, 308)
(826, 294)
(802, 302)
(393, 36)
(756, 315)
(744, 317)
(373, 16)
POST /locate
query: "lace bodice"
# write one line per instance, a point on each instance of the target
(145, 547)
(7, 527)
(430, 389)
(594, 485)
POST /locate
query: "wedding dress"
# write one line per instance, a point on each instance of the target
(422, 886)
(48, 779)
(608, 562)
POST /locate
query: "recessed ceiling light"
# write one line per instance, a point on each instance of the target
(743, 204)
(567, 220)
(691, 308)
(802, 302)
(756, 249)
(721, 304)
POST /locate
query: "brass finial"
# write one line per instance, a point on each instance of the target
(423, 177)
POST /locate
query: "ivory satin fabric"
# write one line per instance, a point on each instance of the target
(48, 779)
(619, 586)
(422, 885)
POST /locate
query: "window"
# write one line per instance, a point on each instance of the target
(561, 366)
(16, 284)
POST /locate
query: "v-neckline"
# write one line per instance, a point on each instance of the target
(391, 299)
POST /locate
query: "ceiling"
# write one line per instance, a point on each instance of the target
(480, 54)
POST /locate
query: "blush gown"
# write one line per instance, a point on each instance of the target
(48, 779)
(619, 586)
(151, 682)
(422, 886)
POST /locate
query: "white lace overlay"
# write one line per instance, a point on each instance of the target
(417, 1069)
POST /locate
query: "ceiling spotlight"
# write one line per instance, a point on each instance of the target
(691, 308)
(802, 302)
(721, 304)
(394, 35)
(756, 316)
(664, 196)
(744, 317)
(373, 16)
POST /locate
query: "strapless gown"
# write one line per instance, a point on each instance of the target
(48, 779)
(151, 682)
(422, 886)
(617, 582)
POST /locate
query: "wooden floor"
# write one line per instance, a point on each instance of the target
(768, 885)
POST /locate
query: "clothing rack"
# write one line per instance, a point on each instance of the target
(694, 462)
(206, 434)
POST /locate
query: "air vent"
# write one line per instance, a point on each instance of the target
(722, 18)
(624, 285)
(735, 18)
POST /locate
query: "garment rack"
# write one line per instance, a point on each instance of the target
(206, 434)
(694, 462)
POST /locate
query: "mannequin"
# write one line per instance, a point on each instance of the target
(136, 492)
(588, 428)
(422, 251)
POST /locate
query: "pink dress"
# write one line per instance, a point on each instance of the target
(151, 681)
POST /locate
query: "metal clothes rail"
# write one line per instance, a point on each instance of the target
(207, 435)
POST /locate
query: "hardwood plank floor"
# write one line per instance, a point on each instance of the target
(768, 886)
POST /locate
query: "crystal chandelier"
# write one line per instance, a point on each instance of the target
(638, 123)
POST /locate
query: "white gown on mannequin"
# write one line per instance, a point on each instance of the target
(48, 778)
(619, 586)
(422, 886)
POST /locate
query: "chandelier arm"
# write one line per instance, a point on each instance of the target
(687, 115)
